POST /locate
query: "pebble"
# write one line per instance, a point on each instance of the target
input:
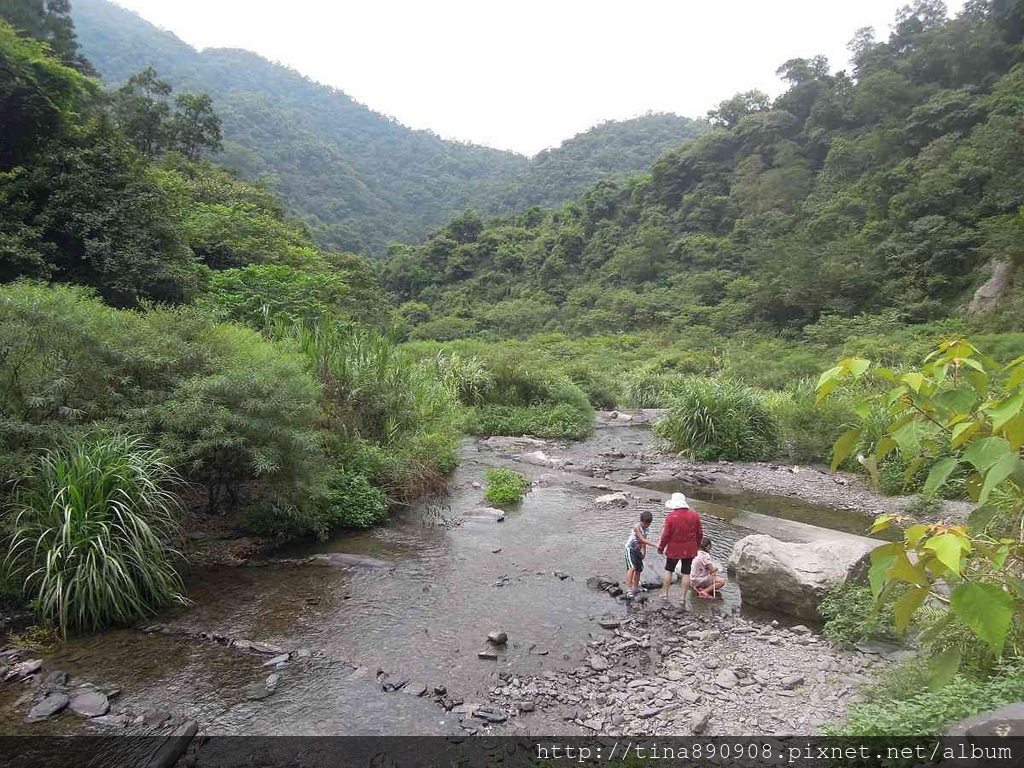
(497, 637)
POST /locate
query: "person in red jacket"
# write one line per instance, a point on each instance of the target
(680, 539)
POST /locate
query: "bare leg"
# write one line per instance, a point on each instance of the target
(666, 580)
(684, 582)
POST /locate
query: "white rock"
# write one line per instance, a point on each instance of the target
(792, 577)
(612, 500)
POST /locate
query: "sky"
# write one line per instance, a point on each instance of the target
(525, 75)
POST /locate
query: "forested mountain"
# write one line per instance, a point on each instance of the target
(357, 178)
(888, 187)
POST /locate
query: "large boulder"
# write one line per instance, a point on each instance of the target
(791, 577)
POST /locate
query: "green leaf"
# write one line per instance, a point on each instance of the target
(942, 668)
(914, 380)
(884, 447)
(940, 472)
(986, 609)
(903, 570)
(1013, 431)
(963, 432)
(1006, 411)
(957, 400)
(948, 549)
(980, 518)
(999, 471)
(844, 447)
(859, 365)
(905, 608)
(881, 559)
(882, 523)
(986, 452)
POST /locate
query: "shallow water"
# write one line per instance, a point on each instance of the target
(423, 619)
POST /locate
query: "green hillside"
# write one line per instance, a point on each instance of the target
(358, 178)
(891, 187)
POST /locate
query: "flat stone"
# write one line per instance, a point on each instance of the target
(416, 688)
(257, 692)
(303, 653)
(599, 663)
(272, 681)
(155, 717)
(488, 654)
(24, 669)
(699, 721)
(689, 695)
(497, 637)
(612, 500)
(800, 629)
(526, 706)
(58, 677)
(649, 712)
(789, 682)
(265, 648)
(726, 679)
(609, 623)
(48, 707)
(91, 704)
(109, 721)
(283, 658)
(490, 715)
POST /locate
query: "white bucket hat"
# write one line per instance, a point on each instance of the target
(678, 501)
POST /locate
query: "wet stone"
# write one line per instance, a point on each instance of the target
(488, 654)
(497, 637)
(48, 707)
(90, 704)
(58, 678)
(283, 658)
(155, 717)
(416, 689)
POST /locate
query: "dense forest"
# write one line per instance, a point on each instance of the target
(178, 343)
(888, 188)
(357, 178)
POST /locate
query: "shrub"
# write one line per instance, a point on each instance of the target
(351, 502)
(851, 617)
(504, 486)
(537, 420)
(927, 712)
(714, 419)
(93, 530)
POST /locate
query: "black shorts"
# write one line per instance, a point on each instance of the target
(684, 565)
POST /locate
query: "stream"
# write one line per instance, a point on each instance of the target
(447, 576)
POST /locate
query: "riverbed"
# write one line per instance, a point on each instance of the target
(386, 618)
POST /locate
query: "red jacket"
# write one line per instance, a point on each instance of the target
(681, 535)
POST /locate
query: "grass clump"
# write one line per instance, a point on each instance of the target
(93, 530)
(716, 419)
(505, 486)
(851, 617)
(538, 420)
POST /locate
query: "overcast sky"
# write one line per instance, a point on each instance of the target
(528, 74)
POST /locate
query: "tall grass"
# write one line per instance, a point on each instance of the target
(719, 419)
(92, 533)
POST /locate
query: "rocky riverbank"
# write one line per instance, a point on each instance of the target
(661, 672)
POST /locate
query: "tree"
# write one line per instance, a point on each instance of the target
(195, 126)
(959, 412)
(731, 111)
(48, 21)
(142, 111)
